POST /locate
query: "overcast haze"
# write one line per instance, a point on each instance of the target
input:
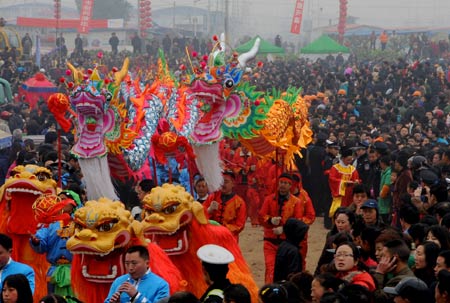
(269, 17)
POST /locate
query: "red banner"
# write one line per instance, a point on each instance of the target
(63, 23)
(342, 19)
(85, 16)
(297, 18)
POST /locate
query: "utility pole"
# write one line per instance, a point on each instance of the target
(173, 15)
(227, 26)
(208, 21)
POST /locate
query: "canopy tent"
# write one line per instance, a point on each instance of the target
(265, 47)
(324, 45)
(37, 87)
(5, 91)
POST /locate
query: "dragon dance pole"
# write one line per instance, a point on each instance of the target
(59, 156)
(155, 176)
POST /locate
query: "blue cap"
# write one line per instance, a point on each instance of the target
(370, 203)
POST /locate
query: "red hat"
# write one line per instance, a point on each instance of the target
(5, 115)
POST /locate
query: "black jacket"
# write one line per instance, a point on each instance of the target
(288, 259)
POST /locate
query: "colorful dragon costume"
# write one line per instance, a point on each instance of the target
(17, 195)
(103, 231)
(228, 107)
(286, 127)
(118, 120)
(173, 220)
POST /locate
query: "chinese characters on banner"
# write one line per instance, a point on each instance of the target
(297, 18)
(85, 16)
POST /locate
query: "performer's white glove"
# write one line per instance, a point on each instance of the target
(213, 207)
(278, 230)
(275, 220)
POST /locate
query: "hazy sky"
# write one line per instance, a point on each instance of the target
(269, 17)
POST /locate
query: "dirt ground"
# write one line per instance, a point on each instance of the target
(251, 242)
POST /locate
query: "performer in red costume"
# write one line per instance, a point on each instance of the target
(275, 211)
(342, 177)
(226, 207)
(244, 169)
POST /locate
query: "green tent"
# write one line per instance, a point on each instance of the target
(265, 47)
(324, 45)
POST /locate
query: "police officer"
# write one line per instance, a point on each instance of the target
(362, 163)
(215, 260)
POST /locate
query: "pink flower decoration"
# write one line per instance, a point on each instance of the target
(100, 55)
(68, 72)
(194, 54)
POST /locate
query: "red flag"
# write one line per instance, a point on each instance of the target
(85, 16)
(297, 18)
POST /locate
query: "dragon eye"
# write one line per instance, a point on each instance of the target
(42, 177)
(170, 209)
(105, 226)
(229, 83)
(108, 96)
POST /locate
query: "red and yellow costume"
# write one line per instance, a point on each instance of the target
(293, 207)
(103, 231)
(173, 220)
(17, 220)
(232, 214)
(341, 190)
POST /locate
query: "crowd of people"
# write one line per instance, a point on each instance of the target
(378, 172)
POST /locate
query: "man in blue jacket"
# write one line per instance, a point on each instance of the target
(140, 285)
(10, 267)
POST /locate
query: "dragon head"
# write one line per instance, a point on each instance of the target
(91, 97)
(168, 211)
(215, 91)
(103, 230)
(26, 184)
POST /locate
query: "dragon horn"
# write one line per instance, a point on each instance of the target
(218, 48)
(122, 73)
(243, 58)
(77, 76)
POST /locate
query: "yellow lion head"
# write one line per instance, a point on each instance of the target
(167, 211)
(100, 227)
